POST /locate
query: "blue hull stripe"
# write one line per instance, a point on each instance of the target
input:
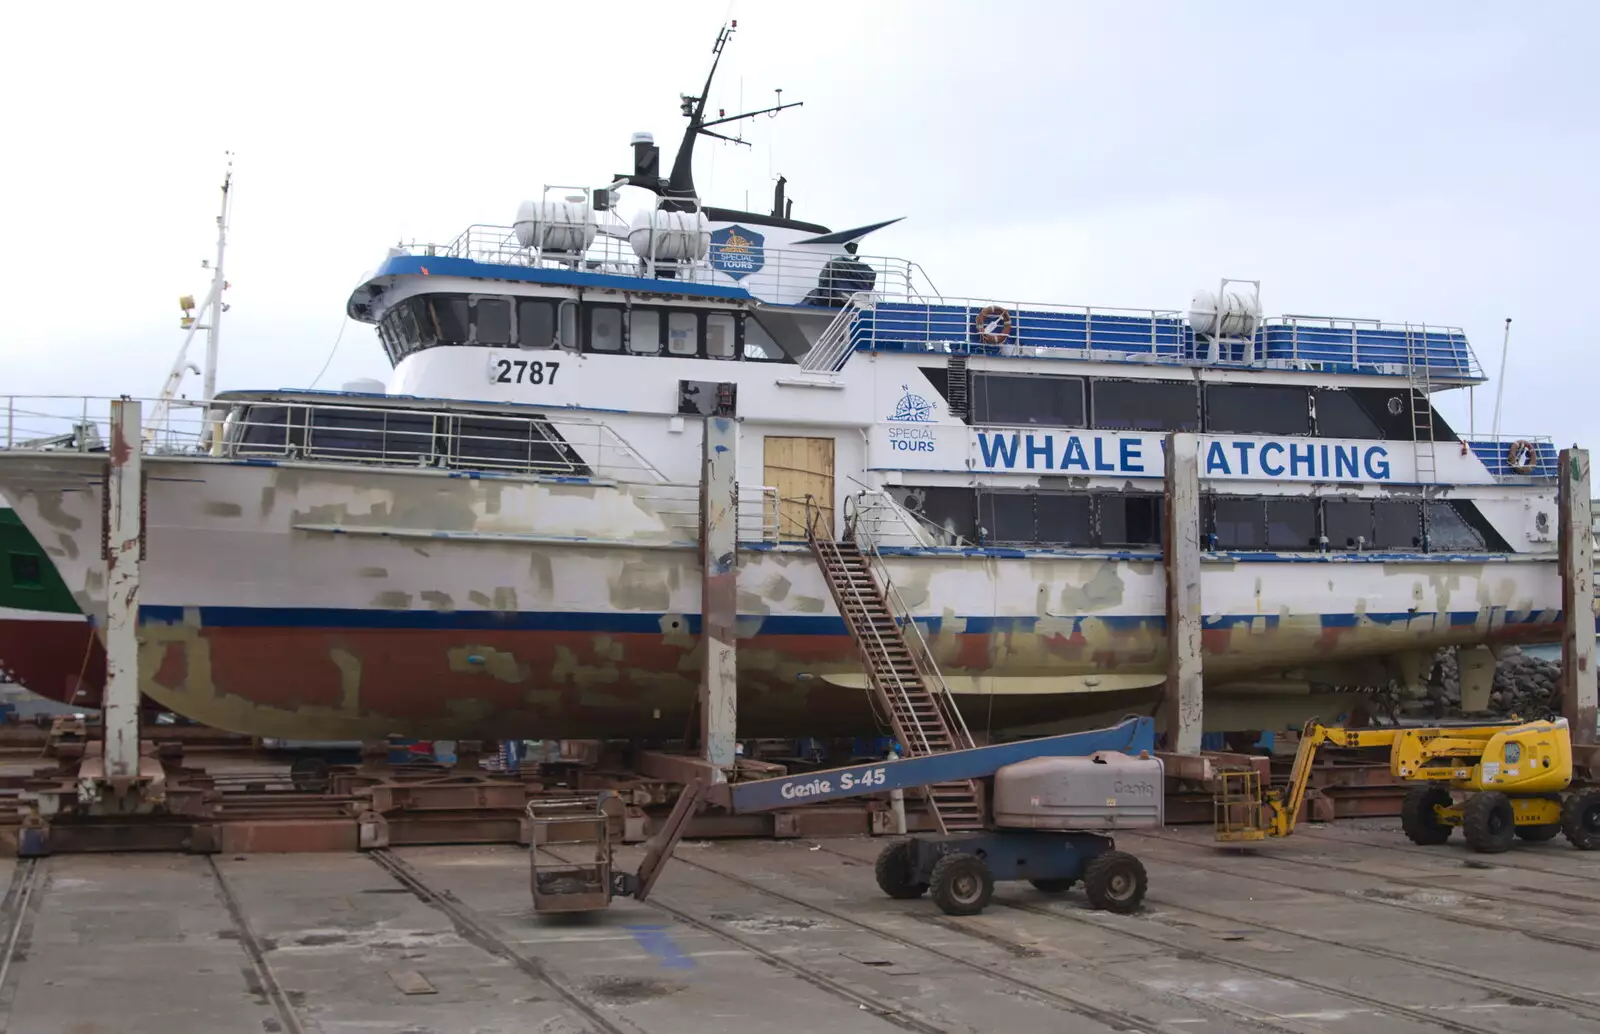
(786, 624)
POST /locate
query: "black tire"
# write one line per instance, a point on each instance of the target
(1489, 822)
(893, 870)
(1115, 881)
(962, 884)
(1054, 885)
(1417, 817)
(309, 775)
(1580, 819)
(1539, 834)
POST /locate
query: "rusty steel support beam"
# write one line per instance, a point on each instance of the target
(1182, 710)
(719, 589)
(1578, 690)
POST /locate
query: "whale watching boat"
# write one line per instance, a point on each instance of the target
(502, 540)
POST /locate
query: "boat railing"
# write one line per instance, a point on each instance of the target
(996, 327)
(795, 275)
(888, 523)
(448, 437)
(1515, 458)
(678, 505)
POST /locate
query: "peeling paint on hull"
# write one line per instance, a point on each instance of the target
(343, 604)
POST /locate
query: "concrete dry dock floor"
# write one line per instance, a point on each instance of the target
(1345, 928)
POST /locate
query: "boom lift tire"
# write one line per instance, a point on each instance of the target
(893, 872)
(962, 884)
(1489, 822)
(1054, 885)
(1580, 819)
(1539, 834)
(1116, 882)
(1418, 818)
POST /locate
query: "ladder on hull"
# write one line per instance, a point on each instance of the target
(900, 671)
(1419, 374)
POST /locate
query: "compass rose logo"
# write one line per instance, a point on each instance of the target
(912, 409)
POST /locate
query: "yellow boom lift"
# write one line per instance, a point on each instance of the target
(1513, 778)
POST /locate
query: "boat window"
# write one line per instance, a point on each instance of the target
(416, 322)
(1292, 524)
(1448, 530)
(407, 436)
(491, 321)
(337, 433)
(1130, 520)
(1146, 405)
(683, 333)
(605, 328)
(27, 571)
(446, 316)
(1257, 409)
(1063, 519)
(758, 344)
(508, 442)
(950, 510)
(1339, 415)
(721, 335)
(1397, 524)
(1006, 517)
(1043, 400)
(1347, 523)
(1237, 523)
(644, 332)
(264, 429)
(536, 325)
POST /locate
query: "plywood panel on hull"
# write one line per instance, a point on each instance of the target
(799, 468)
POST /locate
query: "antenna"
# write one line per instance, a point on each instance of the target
(681, 183)
(1500, 382)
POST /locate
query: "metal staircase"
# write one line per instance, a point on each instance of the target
(900, 667)
(1418, 372)
(834, 344)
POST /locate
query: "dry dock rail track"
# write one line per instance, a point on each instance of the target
(1346, 929)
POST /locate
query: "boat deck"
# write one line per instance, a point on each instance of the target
(1344, 928)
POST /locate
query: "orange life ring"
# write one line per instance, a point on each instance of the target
(1522, 456)
(992, 324)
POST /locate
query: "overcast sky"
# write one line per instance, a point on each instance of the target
(1423, 161)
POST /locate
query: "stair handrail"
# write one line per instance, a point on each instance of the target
(892, 683)
(834, 343)
(920, 649)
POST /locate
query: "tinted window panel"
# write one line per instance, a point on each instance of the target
(491, 321)
(1449, 532)
(407, 435)
(1006, 517)
(952, 510)
(448, 314)
(1050, 401)
(1145, 406)
(758, 344)
(1292, 524)
(1397, 524)
(536, 325)
(683, 333)
(1339, 415)
(1130, 520)
(720, 335)
(605, 330)
(1238, 523)
(1257, 409)
(422, 326)
(346, 432)
(1345, 521)
(1064, 519)
(264, 428)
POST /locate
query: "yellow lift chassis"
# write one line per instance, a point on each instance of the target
(1514, 778)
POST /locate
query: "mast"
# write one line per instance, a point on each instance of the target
(218, 285)
(209, 320)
